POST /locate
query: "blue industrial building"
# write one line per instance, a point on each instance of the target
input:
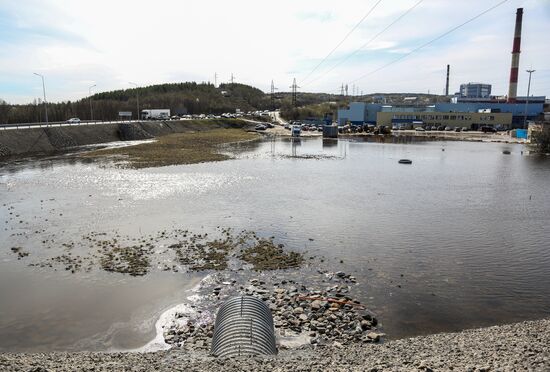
(360, 113)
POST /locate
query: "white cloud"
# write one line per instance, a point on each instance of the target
(112, 42)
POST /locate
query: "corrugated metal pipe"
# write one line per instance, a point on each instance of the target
(244, 326)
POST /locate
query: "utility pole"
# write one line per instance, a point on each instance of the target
(90, 99)
(342, 90)
(137, 97)
(447, 81)
(273, 95)
(527, 100)
(294, 93)
(39, 102)
(44, 90)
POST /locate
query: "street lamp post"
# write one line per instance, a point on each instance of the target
(44, 90)
(137, 97)
(527, 100)
(90, 99)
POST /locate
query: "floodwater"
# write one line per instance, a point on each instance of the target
(458, 239)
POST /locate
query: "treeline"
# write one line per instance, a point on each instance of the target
(310, 111)
(193, 98)
(190, 97)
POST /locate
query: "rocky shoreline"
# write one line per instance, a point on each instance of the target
(512, 347)
(315, 314)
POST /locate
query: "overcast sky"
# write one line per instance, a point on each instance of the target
(76, 44)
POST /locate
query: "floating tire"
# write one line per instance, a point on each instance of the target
(405, 161)
(244, 327)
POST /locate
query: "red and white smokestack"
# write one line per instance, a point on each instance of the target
(513, 90)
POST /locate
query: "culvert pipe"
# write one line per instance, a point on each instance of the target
(244, 326)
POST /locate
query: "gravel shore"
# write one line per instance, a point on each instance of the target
(513, 347)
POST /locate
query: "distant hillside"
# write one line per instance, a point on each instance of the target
(190, 97)
(193, 98)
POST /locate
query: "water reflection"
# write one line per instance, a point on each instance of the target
(457, 239)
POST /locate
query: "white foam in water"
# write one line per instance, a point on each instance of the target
(164, 321)
(168, 318)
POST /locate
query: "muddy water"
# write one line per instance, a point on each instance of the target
(458, 239)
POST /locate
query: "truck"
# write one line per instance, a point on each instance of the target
(155, 114)
(296, 130)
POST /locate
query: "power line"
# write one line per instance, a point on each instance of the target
(342, 41)
(367, 43)
(430, 42)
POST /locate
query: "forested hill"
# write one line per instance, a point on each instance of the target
(194, 98)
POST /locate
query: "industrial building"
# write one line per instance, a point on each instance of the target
(471, 114)
(355, 114)
(470, 120)
(472, 107)
(475, 90)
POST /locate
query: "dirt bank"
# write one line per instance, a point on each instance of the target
(34, 141)
(513, 347)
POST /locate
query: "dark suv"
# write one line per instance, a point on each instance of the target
(488, 130)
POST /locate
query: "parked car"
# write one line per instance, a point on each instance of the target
(488, 129)
(73, 121)
(419, 129)
(260, 127)
(448, 129)
(458, 129)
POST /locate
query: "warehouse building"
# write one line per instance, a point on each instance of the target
(470, 120)
(355, 113)
(509, 115)
(475, 90)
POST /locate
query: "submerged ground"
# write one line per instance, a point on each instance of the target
(454, 241)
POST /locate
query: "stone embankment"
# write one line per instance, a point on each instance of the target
(49, 140)
(513, 347)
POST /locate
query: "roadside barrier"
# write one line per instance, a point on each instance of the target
(244, 326)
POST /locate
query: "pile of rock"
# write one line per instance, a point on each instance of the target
(326, 316)
(329, 316)
(191, 334)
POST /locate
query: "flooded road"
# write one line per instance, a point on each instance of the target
(456, 240)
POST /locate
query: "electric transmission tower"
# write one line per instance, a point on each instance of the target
(273, 89)
(232, 78)
(294, 87)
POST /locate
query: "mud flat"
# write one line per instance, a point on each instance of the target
(177, 148)
(513, 347)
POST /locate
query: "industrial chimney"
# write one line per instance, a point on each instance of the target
(513, 90)
(447, 84)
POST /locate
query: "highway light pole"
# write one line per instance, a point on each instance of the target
(527, 100)
(90, 99)
(44, 90)
(137, 95)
